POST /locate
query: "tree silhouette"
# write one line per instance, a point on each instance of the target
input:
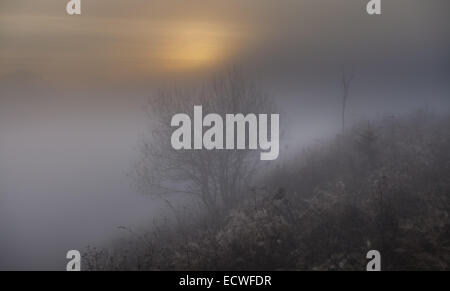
(216, 178)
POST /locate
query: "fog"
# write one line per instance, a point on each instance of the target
(73, 92)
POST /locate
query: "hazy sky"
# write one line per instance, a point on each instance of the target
(73, 88)
(139, 38)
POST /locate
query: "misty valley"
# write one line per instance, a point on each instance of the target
(250, 135)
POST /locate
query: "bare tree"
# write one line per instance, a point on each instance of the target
(217, 178)
(346, 82)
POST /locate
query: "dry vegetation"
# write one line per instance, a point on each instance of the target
(383, 185)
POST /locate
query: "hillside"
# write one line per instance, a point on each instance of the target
(382, 185)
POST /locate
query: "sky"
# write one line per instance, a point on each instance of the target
(73, 91)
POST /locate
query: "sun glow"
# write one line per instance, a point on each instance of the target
(195, 45)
